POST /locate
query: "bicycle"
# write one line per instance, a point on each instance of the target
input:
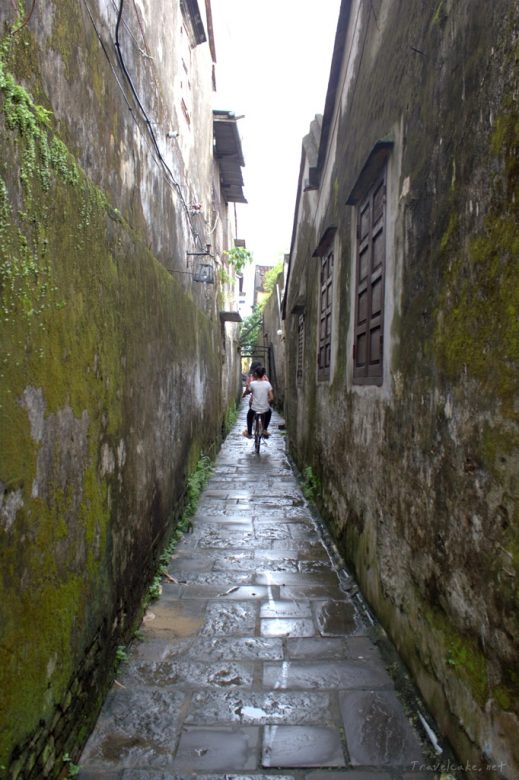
(258, 431)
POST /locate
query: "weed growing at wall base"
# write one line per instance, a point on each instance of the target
(195, 484)
(72, 769)
(231, 415)
(311, 484)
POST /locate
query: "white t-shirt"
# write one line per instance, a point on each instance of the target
(260, 389)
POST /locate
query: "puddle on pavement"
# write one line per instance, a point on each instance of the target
(174, 619)
(217, 748)
(261, 708)
(377, 730)
(285, 627)
(302, 746)
(298, 580)
(317, 648)
(286, 609)
(337, 618)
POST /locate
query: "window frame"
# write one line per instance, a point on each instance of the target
(370, 282)
(300, 351)
(324, 343)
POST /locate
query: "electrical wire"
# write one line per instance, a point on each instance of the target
(152, 144)
(215, 224)
(143, 52)
(26, 20)
(151, 132)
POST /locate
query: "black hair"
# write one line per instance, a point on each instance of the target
(260, 371)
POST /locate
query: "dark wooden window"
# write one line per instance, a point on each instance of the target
(325, 316)
(368, 345)
(300, 348)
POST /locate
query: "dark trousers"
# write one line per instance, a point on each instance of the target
(250, 419)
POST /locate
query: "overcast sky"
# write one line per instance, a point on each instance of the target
(273, 62)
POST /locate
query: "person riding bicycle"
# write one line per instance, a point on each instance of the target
(250, 376)
(262, 396)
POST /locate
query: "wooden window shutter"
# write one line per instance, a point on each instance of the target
(368, 347)
(300, 348)
(325, 316)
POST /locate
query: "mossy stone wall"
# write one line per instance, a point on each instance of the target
(419, 477)
(110, 389)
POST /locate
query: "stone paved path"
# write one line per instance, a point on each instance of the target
(259, 662)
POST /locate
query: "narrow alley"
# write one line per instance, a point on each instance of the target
(261, 659)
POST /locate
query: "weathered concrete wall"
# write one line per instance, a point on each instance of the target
(419, 475)
(115, 372)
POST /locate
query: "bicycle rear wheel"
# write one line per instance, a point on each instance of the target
(258, 432)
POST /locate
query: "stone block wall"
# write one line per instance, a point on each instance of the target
(418, 473)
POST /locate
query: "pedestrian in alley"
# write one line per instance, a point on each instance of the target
(262, 396)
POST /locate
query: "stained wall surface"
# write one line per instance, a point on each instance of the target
(418, 468)
(116, 370)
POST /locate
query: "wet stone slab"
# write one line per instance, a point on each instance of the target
(285, 627)
(333, 675)
(377, 730)
(219, 578)
(136, 728)
(322, 591)
(316, 567)
(228, 540)
(200, 590)
(317, 648)
(350, 775)
(224, 619)
(302, 746)
(293, 548)
(261, 708)
(338, 618)
(217, 748)
(176, 619)
(267, 565)
(258, 661)
(151, 650)
(306, 531)
(361, 647)
(237, 648)
(299, 580)
(192, 561)
(232, 560)
(255, 776)
(226, 527)
(286, 609)
(234, 516)
(188, 674)
(225, 493)
(270, 532)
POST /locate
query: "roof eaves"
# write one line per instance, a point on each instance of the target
(333, 82)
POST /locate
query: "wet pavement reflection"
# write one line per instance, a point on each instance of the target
(258, 660)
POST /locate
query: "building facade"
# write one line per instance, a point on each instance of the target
(402, 345)
(119, 337)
